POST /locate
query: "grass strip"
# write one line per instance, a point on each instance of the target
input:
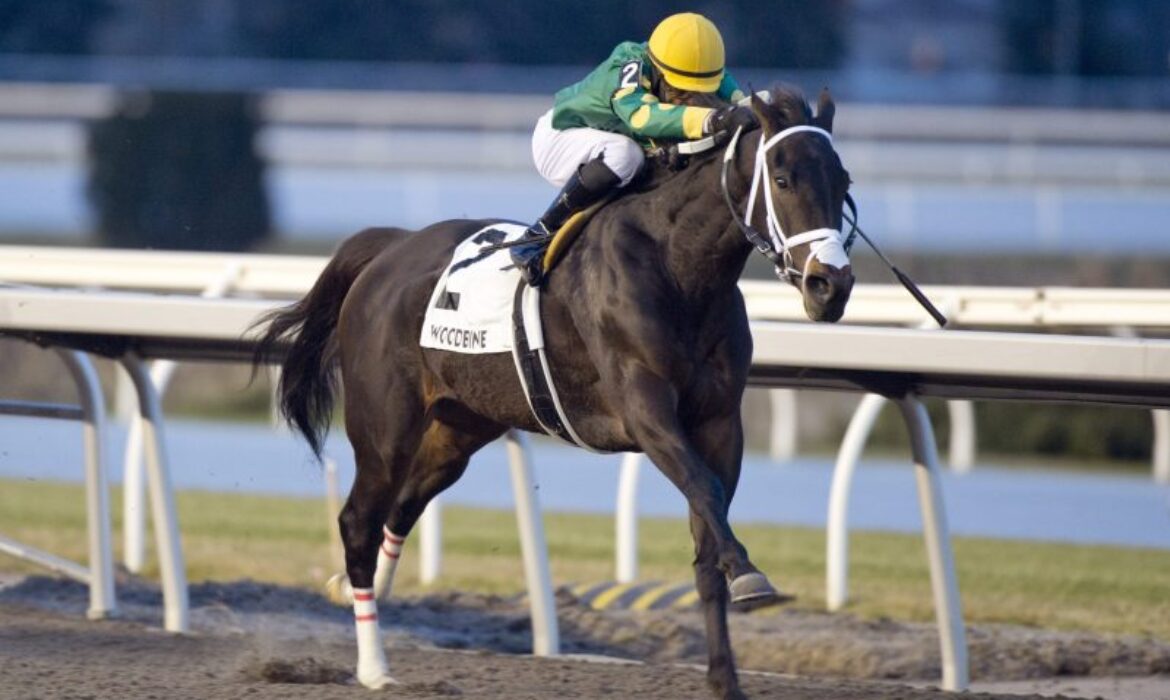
(229, 536)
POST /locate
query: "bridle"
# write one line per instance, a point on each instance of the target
(825, 243)
(777, 247)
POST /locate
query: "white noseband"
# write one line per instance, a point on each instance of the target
(825, 244)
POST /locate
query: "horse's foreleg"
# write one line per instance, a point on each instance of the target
(720, 442)
(653, 421)
(709, 581)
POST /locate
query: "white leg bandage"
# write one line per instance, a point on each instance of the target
(388, 555)
(372, 669)
(338, 588)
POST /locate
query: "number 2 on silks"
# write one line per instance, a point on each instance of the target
(630, 73)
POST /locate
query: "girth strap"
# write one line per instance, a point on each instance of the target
(533, 369)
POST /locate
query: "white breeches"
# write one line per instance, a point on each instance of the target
(559, 152)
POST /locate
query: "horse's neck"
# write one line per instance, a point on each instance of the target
(704, 249)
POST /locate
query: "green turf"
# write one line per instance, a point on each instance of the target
(231, 536)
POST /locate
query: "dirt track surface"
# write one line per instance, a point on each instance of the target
(260, 641)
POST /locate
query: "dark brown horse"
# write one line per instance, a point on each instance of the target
(645, 329)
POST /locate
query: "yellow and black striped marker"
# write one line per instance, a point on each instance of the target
(642, 595)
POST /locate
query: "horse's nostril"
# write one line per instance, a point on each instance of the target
(819, 287)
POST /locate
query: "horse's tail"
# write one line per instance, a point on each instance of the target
(308, 380)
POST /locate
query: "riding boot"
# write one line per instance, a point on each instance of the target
(592, 182)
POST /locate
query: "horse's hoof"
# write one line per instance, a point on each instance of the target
(727, 691)
(753, 591)
(377, 681)
(338, 590)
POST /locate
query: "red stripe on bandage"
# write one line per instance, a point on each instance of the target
(358, 595)
(372, 617)
(389, 552)
(395, 539)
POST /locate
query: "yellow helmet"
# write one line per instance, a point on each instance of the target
(688, 49)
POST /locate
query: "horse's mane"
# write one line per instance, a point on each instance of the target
(789, 105)
(786, 104)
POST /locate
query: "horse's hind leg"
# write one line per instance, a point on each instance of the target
(361, 532)
(384, 443)
(440, 461)
(381, 512)
(338, 588)
(442, 457)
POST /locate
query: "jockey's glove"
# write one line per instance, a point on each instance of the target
(728, 119)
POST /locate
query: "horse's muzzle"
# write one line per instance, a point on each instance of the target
(826, 290)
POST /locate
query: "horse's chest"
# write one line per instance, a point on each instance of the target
(710, 382)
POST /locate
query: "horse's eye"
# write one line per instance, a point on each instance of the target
(782, 182)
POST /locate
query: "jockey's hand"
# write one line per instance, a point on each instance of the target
(728, 119)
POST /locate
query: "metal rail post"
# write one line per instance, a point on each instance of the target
(951, 630)
(961, 453)
(133, 486)
(626, 519)
(332, 511)
(134, 479)
(542, 603)
(783, 443)
(962, 457)
(99, 574)
(1161, 418)
(837, 527)
(97, 495)
(162, 499)
(952, 634)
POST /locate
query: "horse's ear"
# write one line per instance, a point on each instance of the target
(765, 114)
(826, 108)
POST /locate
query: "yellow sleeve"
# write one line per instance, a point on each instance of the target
(645, 115)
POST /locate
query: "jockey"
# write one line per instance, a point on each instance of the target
(594, 139)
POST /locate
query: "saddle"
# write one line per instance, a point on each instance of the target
(674, 157)
(568, 232)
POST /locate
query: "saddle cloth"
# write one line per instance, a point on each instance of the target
(481, 305)
(470, 310)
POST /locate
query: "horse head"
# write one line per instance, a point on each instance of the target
(803, 185)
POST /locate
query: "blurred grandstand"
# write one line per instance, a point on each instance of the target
(975, 126)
